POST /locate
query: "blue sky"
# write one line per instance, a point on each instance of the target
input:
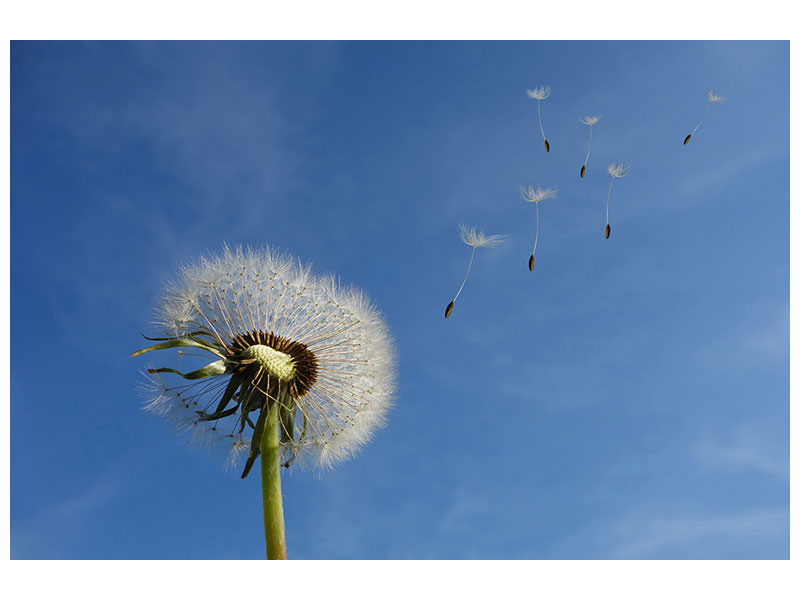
(627, 399)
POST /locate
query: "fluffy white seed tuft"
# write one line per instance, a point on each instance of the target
(539, 93)
(537, 194)
(477, 239)
(712, 97)
(618, 169)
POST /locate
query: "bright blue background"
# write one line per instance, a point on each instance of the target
(628, 399)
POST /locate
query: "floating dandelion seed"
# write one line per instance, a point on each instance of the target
(300, 360)
(536, 195)
(588, 121)
(539, 94)
(476, 239)
(615, 170)
(712, 97)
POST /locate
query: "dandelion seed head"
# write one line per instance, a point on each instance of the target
(712, 97)
(477, 239)
(303, 340)
(590, 120)
(618, 169)
(537, 194)
(539, 93)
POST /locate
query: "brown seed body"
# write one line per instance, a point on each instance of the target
(688, 137)
(608, 231)
(583, 171)
(531, 260)
(449, 309)
(546, 146)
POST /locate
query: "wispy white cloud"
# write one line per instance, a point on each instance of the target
(771, 340)
(82, 504)
(689, 536)
(762, 341)
(466, 508)
(746, 58)
(226, 140)
(45, 534)
(335, 530)
(729, 171)
(748, 448)
(652, 533)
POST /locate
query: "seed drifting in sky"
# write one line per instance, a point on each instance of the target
(303, 362)
(539, 94)
(616, 171)
(536, 195)
(712, 97)
(475, 239)
(588, 121)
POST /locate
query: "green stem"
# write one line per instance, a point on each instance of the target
(274, 530)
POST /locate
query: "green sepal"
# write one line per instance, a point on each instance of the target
(215, 368)
(304, 430)
(255, 442)
(220, 411)
(173, 343)
(245, 394)
(229, 391)
(287, 415)
(197, 336)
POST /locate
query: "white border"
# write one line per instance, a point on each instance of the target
(410, 19)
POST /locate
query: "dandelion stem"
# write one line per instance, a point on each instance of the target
(536, 239)
(274, 529)
(467, 275)
(608, 200)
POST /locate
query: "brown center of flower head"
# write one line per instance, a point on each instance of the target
(274, 360)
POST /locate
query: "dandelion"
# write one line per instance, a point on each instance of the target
(588, 121)
(712, 97)
(476, 239)
(539, 94)
(536, 195)
(615, 170)
(300, 361)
